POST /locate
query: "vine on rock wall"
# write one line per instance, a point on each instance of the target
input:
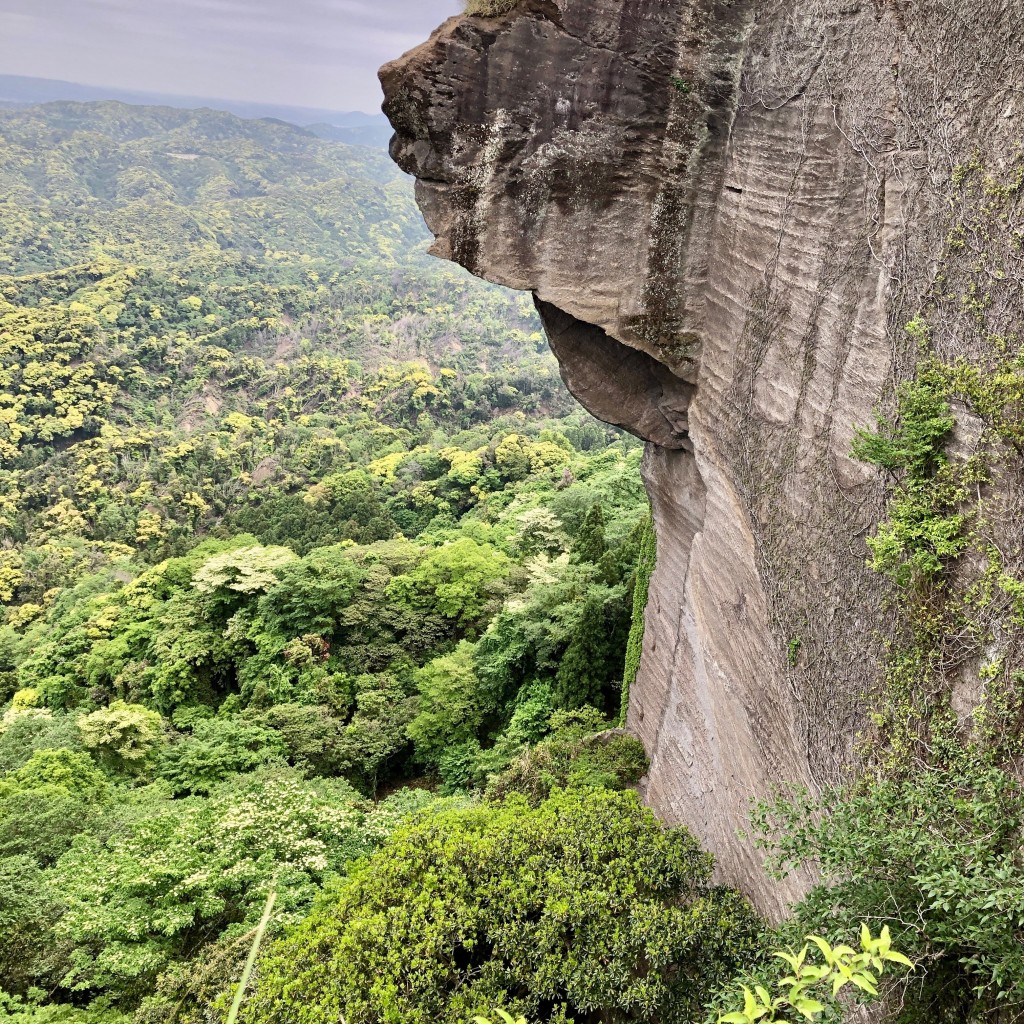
(951, 542)
(634, 646)
(929, 839)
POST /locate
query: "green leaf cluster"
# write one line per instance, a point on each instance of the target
(936, 853)
(802, 991)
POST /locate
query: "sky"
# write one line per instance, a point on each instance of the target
(311, 53)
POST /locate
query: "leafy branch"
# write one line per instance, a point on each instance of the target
(810, 987)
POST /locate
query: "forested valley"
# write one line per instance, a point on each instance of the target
(321, 602)
(302, 539)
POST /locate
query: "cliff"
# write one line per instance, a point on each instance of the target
(728, 211)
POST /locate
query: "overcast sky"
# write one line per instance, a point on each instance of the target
(315, 53)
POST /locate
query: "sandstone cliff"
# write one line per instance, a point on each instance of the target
(727, 211)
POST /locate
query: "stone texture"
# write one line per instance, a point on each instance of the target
(727, 210)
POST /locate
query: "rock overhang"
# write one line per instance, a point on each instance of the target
(557, 149)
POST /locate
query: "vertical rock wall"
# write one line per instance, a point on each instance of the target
(727, 210)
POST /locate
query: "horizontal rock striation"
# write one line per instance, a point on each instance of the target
(727, 210)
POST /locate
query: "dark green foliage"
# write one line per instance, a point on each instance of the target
(310, 734)
(590, 542)
(634, 645)
(590, 669)
(584, 906)
(309, 596)
(27, 911)
(41, 823)
(377, 733)
(216, 749)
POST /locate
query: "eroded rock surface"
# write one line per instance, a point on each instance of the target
(727, 210)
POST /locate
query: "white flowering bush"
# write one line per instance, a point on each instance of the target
(180, 869)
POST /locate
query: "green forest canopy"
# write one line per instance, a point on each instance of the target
(292, 516)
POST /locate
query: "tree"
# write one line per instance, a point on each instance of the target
(591, 668)
(590, 543)
(217, 748)
(461, 581)
(41, 823)
(538, 531)
(451, 705)
(378, 730)
(309, 596)
(584, 906)
(182, 871)
(124, 736)
(937, 852)
(69, 770)
(249, 570)
(27, 911)
(578, 752)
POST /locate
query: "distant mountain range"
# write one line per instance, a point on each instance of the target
(354, 127)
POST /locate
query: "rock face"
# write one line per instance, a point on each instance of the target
(726, 210)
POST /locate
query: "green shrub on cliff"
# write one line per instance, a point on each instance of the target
(936, 853)
(584, 907)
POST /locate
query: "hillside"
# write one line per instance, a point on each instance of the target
(294, 518)
(195, 296)
(353, 127)
(338, 644)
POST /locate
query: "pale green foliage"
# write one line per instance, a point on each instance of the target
(123, 735)
(245, 570)
(810, 987)
(503, 1015)
(451, 704)
(459, 581)
(27, 697)
(539, 531)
